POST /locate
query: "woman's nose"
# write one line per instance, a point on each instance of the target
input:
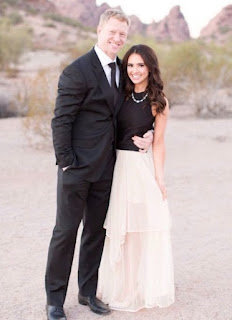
(134, 69)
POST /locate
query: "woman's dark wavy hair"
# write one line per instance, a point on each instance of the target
(155, 83)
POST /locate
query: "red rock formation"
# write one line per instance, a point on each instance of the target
(172, 28)
(137, 27)
(40, 5)
(219, 28)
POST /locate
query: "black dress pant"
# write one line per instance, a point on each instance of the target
(77, 200)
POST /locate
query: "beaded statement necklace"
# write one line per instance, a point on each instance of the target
(138, 101)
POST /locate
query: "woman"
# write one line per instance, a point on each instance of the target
(136, 269)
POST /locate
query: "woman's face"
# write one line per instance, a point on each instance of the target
(137, 70)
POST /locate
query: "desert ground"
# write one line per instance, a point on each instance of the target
(199, 181)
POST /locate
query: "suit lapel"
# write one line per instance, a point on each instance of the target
(102, 80)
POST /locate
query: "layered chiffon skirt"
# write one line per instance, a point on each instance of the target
(136, 269)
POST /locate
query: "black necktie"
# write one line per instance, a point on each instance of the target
(114, 87)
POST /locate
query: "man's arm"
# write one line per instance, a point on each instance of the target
(71, 92)
(145, 142)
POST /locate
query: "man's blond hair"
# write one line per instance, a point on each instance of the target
(115, 13)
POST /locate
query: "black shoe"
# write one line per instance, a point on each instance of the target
(55, 313)
(94, 303)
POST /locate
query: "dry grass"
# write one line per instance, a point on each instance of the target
(40, 99)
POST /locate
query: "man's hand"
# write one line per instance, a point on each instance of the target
(143, 143)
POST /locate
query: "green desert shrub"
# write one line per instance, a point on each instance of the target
(50, 25)
(195, 73)
(15, 18)
(181, 67)
(11, 2)
(13, 43)
(224, 29)
(66, 20)
(32, 11)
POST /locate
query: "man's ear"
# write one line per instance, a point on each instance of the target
(98, 29)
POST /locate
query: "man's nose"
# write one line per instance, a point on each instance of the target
(117, 37)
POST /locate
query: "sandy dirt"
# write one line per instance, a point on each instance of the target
(199, 178)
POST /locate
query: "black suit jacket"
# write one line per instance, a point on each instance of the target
(84, 126)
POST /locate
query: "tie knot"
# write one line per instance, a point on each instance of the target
(112, 65)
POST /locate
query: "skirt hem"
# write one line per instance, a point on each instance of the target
(142, 307)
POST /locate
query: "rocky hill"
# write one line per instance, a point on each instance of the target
(172, 28)
(219, 28)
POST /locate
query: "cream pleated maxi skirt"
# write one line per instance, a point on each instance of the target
(136, 269)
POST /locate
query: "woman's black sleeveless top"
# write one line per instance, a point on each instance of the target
(133, 119)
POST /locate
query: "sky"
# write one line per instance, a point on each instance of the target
(197, 13)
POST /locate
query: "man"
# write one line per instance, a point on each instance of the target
(84, 143)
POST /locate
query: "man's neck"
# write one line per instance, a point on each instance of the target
(112, 57)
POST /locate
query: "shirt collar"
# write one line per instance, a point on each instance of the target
(104, 59)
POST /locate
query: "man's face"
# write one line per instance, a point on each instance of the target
(112, 36)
